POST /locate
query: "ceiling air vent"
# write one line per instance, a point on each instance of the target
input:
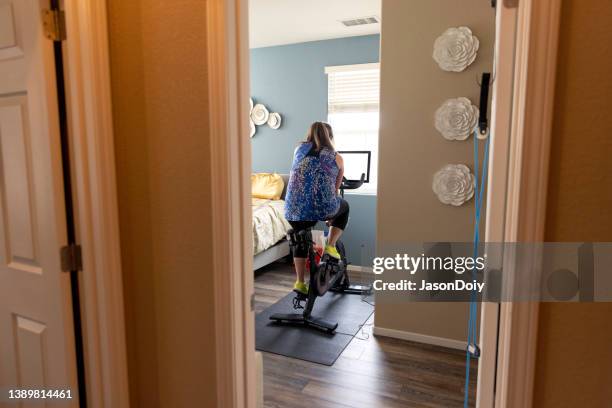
(360, 21)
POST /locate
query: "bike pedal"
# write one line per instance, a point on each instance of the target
(297, 303)
(331, 260)
(300, 295)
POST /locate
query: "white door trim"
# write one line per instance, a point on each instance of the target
(501, 117)
(93, 165)
(529, 149)
(228, 71)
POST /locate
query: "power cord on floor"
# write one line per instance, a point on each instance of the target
(362, 334)
(368, 302)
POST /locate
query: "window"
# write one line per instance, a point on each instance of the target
(353, 112)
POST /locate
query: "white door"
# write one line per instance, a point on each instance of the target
(36, 326)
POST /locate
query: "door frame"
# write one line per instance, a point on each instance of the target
(535, 66)
(501, 124)
(229, 90)
(88, 91)
(517, 190)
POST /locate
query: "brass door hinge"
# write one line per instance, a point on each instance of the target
(71, 258)
(54, 24)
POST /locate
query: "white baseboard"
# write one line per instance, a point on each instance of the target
(420, 338)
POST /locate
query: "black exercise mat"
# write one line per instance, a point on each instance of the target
(307, 343)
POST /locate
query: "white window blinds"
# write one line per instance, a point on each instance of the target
(353, 88)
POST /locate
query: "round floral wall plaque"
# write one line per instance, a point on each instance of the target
(252, 128)
(275, 120)
(260, 114)
(456, 49)
(454, 184)
(456, 119)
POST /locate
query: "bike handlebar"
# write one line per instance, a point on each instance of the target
(352, 184)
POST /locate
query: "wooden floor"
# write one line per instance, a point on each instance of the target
(371, 372)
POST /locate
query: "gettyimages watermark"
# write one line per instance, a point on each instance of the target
(493, 272)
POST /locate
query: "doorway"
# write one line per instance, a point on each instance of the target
(320, 72)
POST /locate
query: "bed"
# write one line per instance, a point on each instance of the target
(270, 229)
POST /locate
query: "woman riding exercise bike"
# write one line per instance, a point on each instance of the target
(313, 194)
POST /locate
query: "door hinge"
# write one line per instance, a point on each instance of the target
(54, 24)
(71, 258)
(252, 302)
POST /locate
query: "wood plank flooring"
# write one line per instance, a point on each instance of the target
(371, 372)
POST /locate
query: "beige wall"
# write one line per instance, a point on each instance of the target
(411, 150)
(159, 93)
(574, 361)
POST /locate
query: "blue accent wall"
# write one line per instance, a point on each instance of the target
(291, 80)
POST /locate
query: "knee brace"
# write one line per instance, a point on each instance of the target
(300, 242)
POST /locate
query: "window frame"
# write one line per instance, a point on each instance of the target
(368, 188)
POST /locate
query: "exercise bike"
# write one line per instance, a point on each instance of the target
(330, 274)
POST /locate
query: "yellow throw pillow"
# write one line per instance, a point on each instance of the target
(267, 185)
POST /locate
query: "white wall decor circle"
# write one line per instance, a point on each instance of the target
(454, 184)
(252, 128)
(456, 119)
(251, 101)
(456, 49)
(275, 120)
(259, 114)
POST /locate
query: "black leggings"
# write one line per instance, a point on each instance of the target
(338, 220)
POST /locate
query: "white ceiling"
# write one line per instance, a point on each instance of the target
(278, 22)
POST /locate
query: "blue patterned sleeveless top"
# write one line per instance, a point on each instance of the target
(311, 192)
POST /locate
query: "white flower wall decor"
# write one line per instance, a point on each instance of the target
(454, 184)
(275, 120)
(456, 49)
(456, 119)
(259, 115)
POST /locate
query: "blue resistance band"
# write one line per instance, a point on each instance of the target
(473, 308)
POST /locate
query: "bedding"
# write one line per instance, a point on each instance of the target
(269, 223)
